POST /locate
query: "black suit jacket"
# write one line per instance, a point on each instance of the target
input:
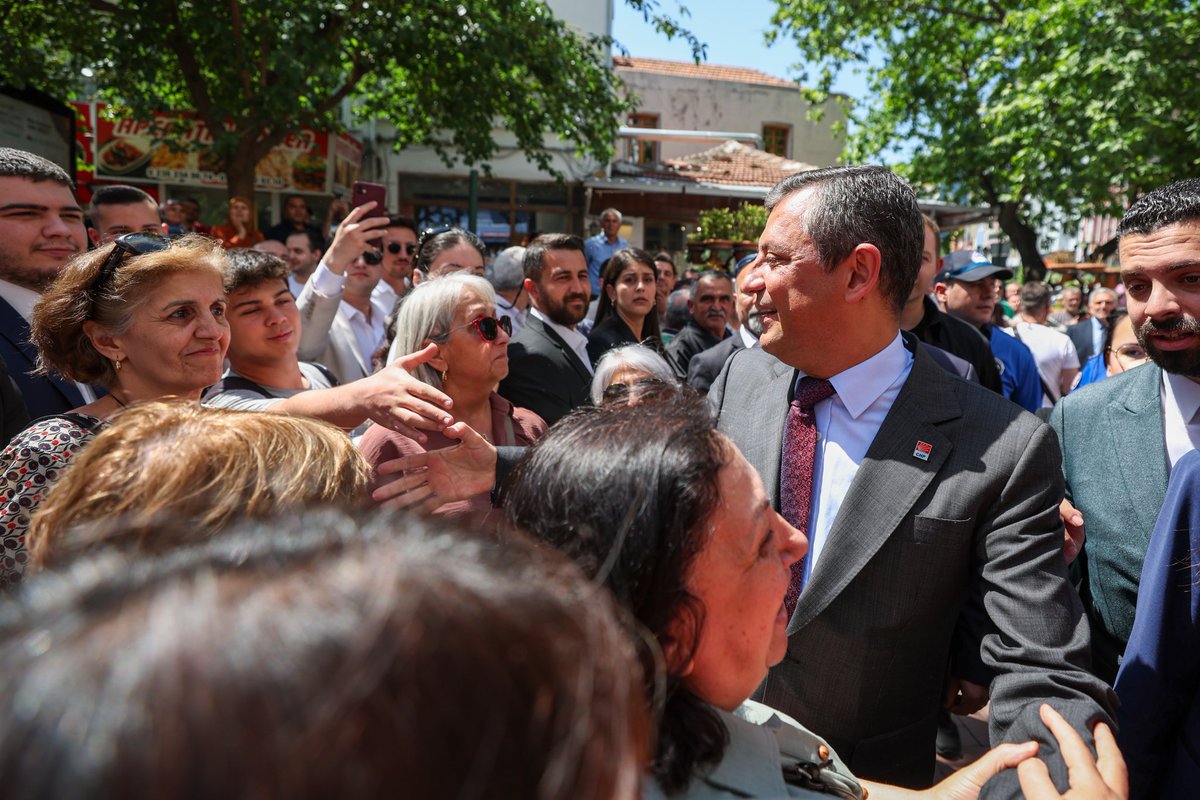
(43, 395)
(706, 365)
(1081, 335)
(544, 374)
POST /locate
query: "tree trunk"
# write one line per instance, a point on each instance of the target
(239, 170)
(1024, 239)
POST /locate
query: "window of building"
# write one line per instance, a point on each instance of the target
(638, 151)
(775, 139)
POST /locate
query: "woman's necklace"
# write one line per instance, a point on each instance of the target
(116, 399)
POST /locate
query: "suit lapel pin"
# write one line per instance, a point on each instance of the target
(922, 450)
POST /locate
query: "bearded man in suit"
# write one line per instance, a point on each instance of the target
(931, 504)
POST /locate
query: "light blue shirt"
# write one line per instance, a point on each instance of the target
(598, 251)
(1097, 336)
(847, 423)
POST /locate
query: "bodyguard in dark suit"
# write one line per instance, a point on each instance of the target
(41, 229)
(710, 303)
(933, 506)
(548, 369)
(706, 365)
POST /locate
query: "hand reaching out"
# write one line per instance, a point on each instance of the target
(430, 480)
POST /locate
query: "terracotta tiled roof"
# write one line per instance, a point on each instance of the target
(712, 72)
(730, 163)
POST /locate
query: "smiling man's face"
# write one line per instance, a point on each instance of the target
(41, 229)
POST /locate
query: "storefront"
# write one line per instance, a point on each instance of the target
(171, 158)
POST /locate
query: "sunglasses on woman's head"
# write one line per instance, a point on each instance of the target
(136, 244)
(488, 328)
(395, 247)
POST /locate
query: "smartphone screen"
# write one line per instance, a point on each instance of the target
(364, 192)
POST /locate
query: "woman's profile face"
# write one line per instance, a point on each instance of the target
(741, 577)
(471, 359)
(1126, 352)
(633, 293)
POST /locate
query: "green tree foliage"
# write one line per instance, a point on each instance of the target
(444, 73)
(1041, 108)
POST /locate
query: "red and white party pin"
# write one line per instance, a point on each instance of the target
(922, 450)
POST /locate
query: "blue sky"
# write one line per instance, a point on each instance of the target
(733, 33)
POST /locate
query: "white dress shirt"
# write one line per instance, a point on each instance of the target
(748, 338)
(574, 339)
(22, 301)
(846, 425)
(1180, 402)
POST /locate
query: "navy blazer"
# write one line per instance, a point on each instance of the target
(44, 395)
(1159, 679)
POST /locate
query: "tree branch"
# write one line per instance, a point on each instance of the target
(944, 10)
(189, 67)
(104, 7)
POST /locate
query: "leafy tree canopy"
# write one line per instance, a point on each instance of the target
(444, 73)
(1041, 108)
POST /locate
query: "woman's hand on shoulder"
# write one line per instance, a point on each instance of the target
(1102, 778)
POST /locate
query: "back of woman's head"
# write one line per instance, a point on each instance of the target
(427, 312)
(183, 461)
(81, 293)
(319, 657)
(626, 492)
(432, 244)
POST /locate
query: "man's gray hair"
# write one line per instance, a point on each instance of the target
(508, 270)
(677, 309)
(608, 211)
(709, 275)
(862, 205)
(636, 357)
(1035, 295)
(427, 312)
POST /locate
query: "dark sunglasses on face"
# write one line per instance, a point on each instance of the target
(488, 328)
(395, 247)
(373, 257)
(136, 244)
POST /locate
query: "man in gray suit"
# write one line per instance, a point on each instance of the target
(1121, 436)
(936, 546)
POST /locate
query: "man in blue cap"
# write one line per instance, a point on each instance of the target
(966, 289)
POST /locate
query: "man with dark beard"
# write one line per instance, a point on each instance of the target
(1122, 436)
(711, 302)
(549, 371)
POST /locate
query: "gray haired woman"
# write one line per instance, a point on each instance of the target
(458, 313)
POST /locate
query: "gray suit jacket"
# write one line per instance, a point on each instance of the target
(326, 337)
(922, 559)
(1115, 464)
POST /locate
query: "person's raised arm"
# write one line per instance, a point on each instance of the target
(429, 480)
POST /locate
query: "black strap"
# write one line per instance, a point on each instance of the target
(236, 383)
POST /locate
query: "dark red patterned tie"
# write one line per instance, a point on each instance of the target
(796, 471)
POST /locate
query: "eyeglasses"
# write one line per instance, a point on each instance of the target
(488, 328)
(395, 247)
(1130, 352)
(136, 244)
(373, 257)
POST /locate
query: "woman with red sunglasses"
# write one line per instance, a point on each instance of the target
(457, 312)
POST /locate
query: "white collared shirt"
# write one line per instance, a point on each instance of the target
(748, 338)
(574, 339)
(1097, 336)
(22, 301)
(368, 334)
(1180, 402)
(847, 423)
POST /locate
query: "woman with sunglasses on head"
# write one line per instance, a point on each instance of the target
(239, 229)
(143, 317)
(458, 314)
(627, 313)
(441, 251)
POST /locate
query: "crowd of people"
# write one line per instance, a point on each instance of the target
(312, 512)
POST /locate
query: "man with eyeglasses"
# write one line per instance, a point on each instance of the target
(399, 247)
(41, 229)
(1121, 437)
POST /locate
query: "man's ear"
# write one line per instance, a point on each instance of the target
(104, 342)
(863, 276)
(531, 289)
(939, 291)
(94, 237)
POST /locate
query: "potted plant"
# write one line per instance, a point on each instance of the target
(749, 221)
(712, 243)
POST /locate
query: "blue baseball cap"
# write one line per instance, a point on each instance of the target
(969, 266)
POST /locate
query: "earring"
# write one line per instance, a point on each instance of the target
(117, 364)
(444, 375)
